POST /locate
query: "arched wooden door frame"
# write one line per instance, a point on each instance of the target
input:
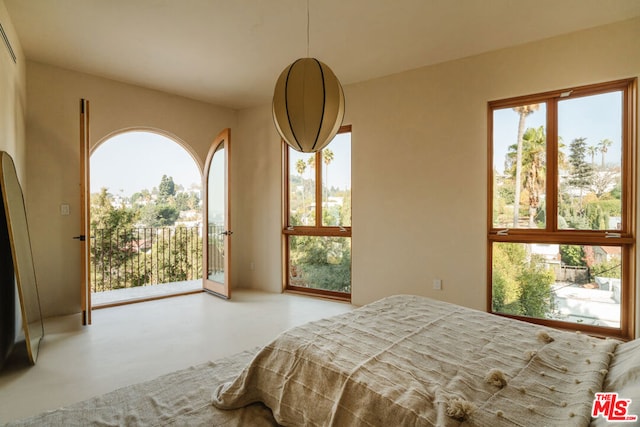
(213, 235)
(86, 150)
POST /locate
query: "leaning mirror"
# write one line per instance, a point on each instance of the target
(17, 232)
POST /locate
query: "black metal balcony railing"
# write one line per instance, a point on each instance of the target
(215, 264)
(144, 256)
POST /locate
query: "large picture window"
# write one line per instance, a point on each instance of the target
(317, 223)
(562, 208)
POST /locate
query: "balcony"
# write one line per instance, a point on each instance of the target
(145, 263)
(143, 293)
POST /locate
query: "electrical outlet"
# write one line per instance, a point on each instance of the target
(64, 209)
(437, 284)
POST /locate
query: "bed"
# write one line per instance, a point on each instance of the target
(403, 360)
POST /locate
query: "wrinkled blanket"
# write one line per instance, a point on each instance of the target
(412, 361)
(180, 399)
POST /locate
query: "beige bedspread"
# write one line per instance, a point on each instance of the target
(412, 361)
(402, 361)
(179, 399)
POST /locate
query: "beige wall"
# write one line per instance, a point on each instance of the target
(12, 112)
(258, 212)
(419, 164)
(13, 98)
(53, 159)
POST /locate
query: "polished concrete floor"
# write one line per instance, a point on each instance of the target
(137, 342)
(124, 295)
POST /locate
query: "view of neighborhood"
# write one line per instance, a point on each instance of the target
(321, 262)
(153, 236)
(571, 282)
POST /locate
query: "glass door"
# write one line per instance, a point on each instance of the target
(216, 216)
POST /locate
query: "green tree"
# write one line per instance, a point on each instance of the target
(572, 255)
(185, 201)
(593, 150)
(159, 215)
(609, 268)
(533, 167)
(345, 208)
(616, 193)
(598, 212)
(113, 245)
(141, 197)
(522, 111)
(521, 283)
(604, 145)
(301, 168)
(581, 173)
(327, 158)
(331, 215)
(167, 187)
(506, 260)
(322, 262)
(173, 257)
(125, 256)
(535, 289)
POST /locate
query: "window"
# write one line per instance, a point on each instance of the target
(562, 208)
(317, 224)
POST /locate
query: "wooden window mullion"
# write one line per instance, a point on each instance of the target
(624, 238)
(553, 180)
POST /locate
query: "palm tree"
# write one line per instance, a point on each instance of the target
(301, 167)
(533, 167)
(604, 144)
(523, 111)
(592, 150)
(327, 158)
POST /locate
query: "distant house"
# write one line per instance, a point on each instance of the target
(549, 252)
(598, 254)
(606, 253)
(615, 223)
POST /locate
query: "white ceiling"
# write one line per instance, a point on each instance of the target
(230, 52)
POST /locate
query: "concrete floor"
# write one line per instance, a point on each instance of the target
(138, 342)
(119, 296)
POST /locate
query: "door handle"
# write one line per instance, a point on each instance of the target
(227, 233)
(83, 238)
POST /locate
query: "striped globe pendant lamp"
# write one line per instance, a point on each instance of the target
(308, 105)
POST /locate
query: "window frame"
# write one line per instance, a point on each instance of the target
(318, 230)
(551, 234)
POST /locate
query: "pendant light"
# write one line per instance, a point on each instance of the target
(308, 103)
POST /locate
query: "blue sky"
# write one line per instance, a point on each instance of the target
(339, 170)
(593, 117)
(132, 161)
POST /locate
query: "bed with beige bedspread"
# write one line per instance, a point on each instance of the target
(400, 361)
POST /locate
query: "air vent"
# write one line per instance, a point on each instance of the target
(7, 43)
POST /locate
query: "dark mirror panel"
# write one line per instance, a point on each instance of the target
(19, 257)
(7, 292)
